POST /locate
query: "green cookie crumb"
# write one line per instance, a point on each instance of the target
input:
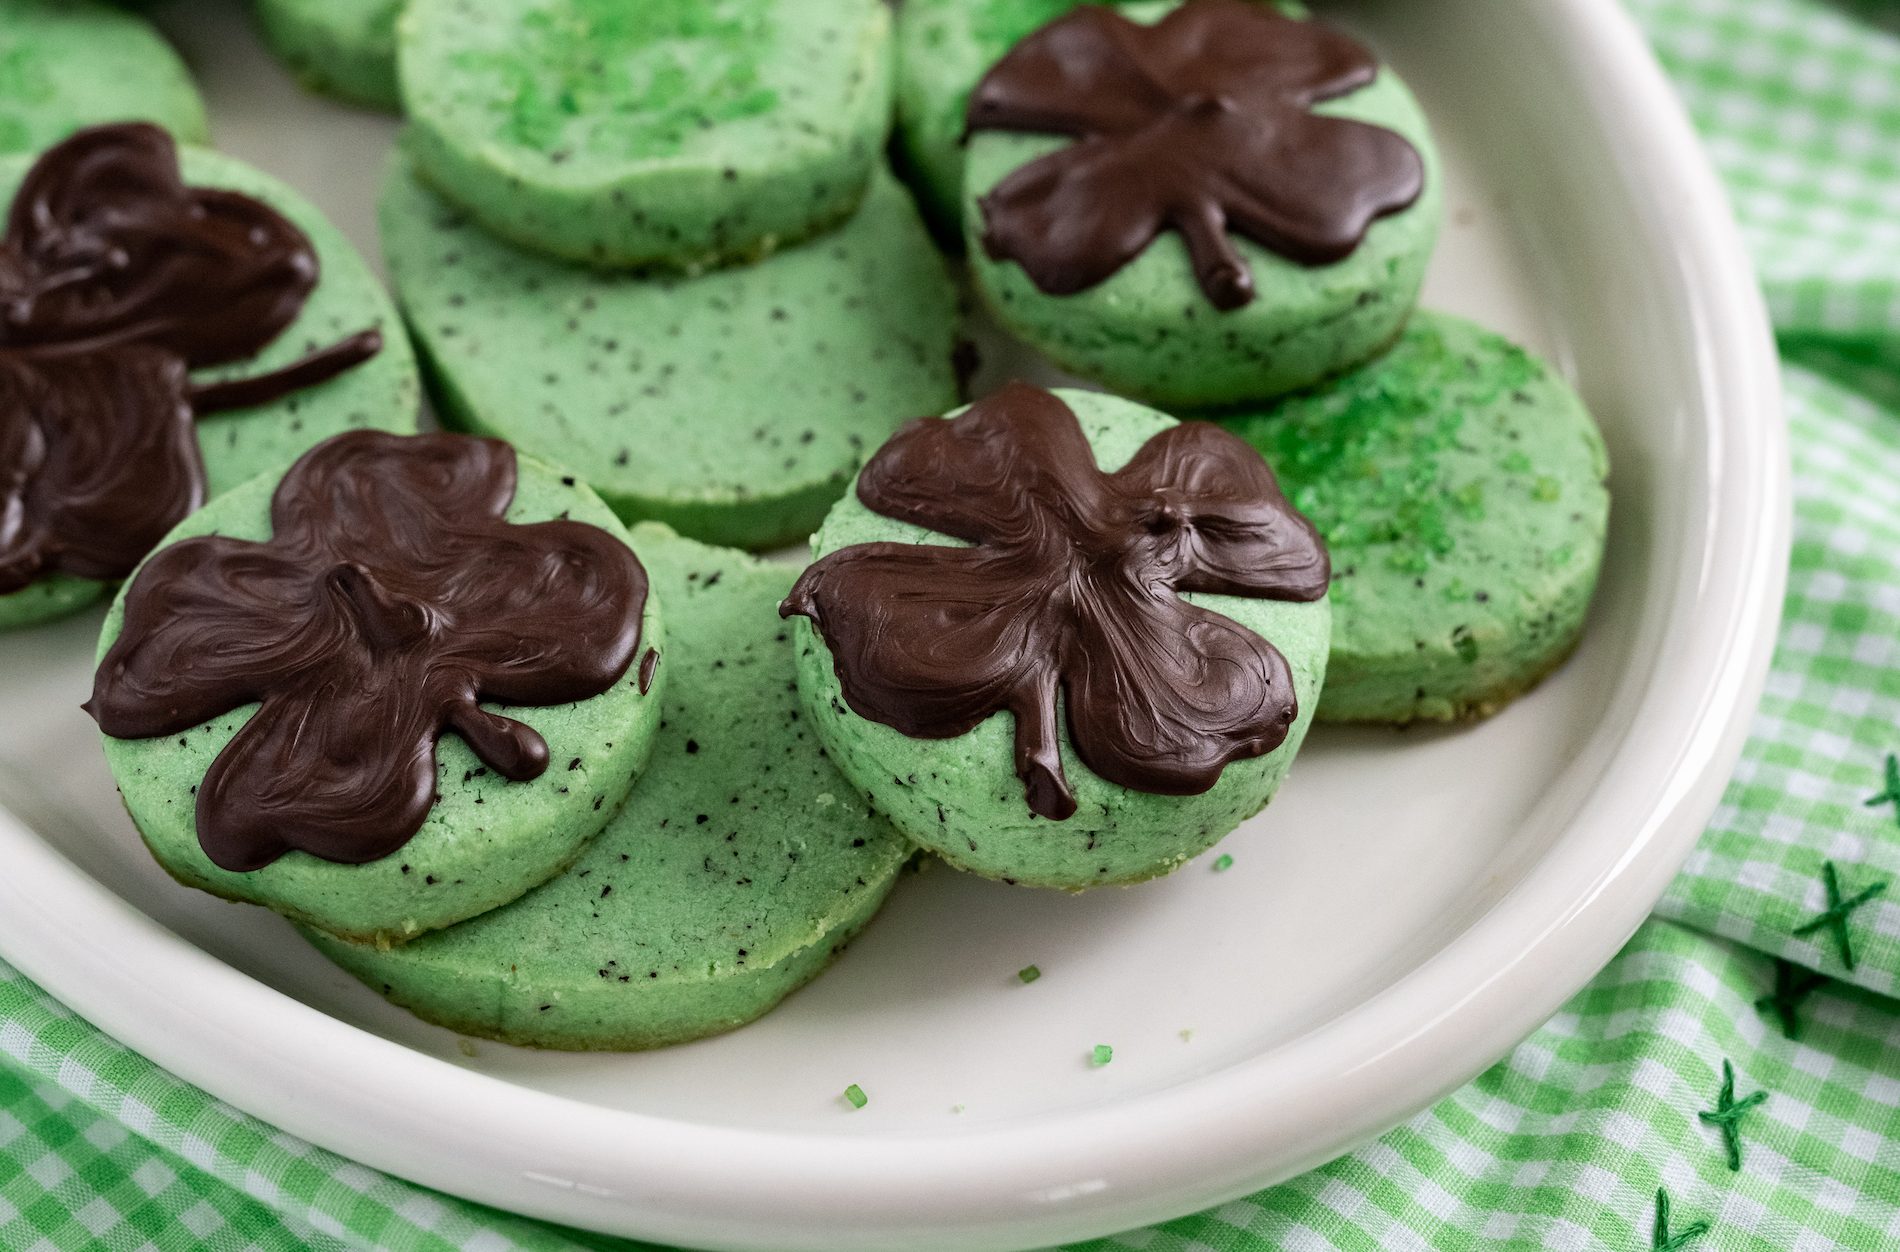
(1029, 973)
(1102, 1055)
(855, 1095)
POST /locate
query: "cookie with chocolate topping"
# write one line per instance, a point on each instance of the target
(738, 870)
(1062, 640)
(394, 690)
(68, 64)
(1201, 205)
(170, 326)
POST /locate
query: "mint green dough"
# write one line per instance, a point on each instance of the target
(944, 48)
(49, 599)
(383, 393)
(674, 133)
(68, 64)
(961, 799)
(487, 840)
(738, 870)
(340, 48)
(1149, 331)
(1459, 484)
(735, 406)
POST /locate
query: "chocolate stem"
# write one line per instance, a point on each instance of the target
(1039, 754)
(318, 367)
(510, 748)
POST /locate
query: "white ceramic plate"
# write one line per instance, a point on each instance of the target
(1410, 907)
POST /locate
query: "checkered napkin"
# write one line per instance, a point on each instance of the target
(1730, 1083)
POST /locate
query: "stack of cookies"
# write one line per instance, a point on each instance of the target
(508, 720)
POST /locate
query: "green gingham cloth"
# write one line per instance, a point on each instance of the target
(1729, 1083)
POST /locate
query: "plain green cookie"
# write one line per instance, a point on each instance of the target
(341, 48)
(1150, 332)
(486, 841)
(961, 799)
(1459, 484)
(734, 406)
(739, 868)
(383, 393)
(68, 64)
(681, 133)
(944, 47)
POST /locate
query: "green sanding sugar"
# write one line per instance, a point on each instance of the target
(1223, 862)
(855, 1094)
(633, 79)
(1102, 1054)
(1029, 973)
(1459, 484)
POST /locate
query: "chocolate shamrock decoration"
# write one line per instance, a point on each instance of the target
(1071, 587)
(116, 280)
(1200, 123)
(391, 599)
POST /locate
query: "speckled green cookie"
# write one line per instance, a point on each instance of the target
(341, 48)
(1460, 486)
(681, 133)
(382, 393)
(739, 868)
(67, 64)
(944, 47)
(734, 406)
(1150, 332)
(486, 841)
(961, 798)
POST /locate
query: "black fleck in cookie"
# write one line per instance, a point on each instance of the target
(734, 406)
(392, 691)
(1061, 639)
(739, 868)
(1459, 483)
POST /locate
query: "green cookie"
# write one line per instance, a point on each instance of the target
(734, 406)
(1459, 483)
(682, 133)
(962, 799)
(738, 870)
(341, 48)
(382, 393)
(486, 841)
(944, 47)
(1150, 332)
(68, 64)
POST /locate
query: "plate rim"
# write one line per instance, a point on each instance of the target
(1057, 1177)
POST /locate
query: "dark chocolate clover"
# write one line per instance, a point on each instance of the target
(1071, 588)
(1201, 123)
(392, 598)
(116, 280)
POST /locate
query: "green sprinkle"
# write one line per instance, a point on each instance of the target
(1029, 973)
(855, 1094)
(1546, 489)
(1464, 645)
(1102, 1054)
(1223, 862)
